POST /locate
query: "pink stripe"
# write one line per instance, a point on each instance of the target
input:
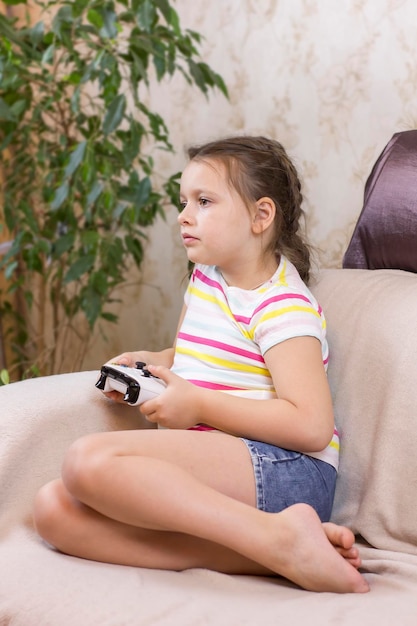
(218, 386)
(247, 320)
(207, 280)
(284, 296)
(221, 346)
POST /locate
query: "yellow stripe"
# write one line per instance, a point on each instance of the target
(288, 309)
(271, 314)
(224, 362)
(282, 311)
(204, 296)
(335, 445)
(282, 276)
(281, 280)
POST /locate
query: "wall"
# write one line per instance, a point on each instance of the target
(331, 80)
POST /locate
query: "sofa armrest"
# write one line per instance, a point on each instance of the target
(40, 418)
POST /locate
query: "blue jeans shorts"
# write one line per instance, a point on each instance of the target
(284, 477)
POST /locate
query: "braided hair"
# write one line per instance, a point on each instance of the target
(260, 167)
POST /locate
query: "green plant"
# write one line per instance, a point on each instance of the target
(77, 144)
(4, 377)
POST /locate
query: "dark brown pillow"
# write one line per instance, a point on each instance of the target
(385, 235)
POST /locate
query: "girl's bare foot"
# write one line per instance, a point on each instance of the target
(317, 557)
(342, 540)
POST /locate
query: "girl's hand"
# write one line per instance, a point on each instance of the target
(177, 406)
(129, 358)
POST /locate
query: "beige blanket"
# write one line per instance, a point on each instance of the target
(373, 339)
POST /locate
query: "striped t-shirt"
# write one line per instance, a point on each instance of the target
(227, 331)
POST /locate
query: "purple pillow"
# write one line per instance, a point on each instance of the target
(385, 236)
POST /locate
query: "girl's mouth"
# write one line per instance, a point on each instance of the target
(188, 239)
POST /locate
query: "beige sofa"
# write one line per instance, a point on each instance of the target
(373, 374)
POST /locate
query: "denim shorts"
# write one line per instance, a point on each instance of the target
(284, 477)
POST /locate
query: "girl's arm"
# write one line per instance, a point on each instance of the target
(301, 418)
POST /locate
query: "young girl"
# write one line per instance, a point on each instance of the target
(242, 476)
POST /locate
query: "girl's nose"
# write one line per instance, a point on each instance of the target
(186, 215)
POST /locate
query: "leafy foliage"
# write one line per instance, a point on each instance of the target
(76, 145)
(4, 377)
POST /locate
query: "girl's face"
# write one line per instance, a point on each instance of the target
(216, 225)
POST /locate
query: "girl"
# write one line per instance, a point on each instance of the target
(242, 476)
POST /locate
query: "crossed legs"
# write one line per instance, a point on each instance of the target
(180, 499)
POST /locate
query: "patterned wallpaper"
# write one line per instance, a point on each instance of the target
(331, 80)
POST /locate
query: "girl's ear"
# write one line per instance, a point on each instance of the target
(264, 215)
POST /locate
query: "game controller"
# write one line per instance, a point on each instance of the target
(136, 384)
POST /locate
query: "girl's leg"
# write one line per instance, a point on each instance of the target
(76, 529)
(202, 485)
(79, 530)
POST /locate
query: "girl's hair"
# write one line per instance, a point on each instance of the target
(258, 167)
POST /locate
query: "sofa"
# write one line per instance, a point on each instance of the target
(372, 332)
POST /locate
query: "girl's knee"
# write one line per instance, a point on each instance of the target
(48, 509)
(83, 464)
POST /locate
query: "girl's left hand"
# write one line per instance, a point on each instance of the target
(177, 406)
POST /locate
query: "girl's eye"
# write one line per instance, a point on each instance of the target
(204, 202)
(183, 205)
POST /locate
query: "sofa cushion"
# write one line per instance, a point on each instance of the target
(372, 330)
